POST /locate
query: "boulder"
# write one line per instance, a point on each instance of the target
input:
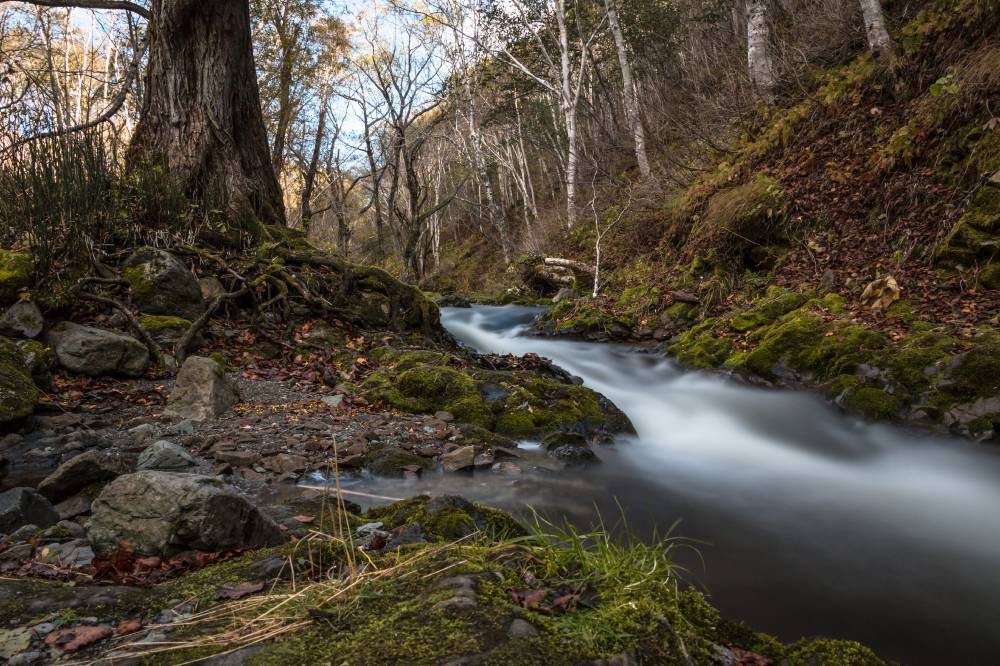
(202, 391)
(95, 351)
(76, 474)
(23, 319)
(24, 506)
(164, 455)
(211, 288)
(18, 393)
(163, 285)
(164, 513)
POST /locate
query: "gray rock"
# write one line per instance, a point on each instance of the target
(163, 285)
(457, 603)
(522, 629)
(202, 391)
(143, 432)
(564, 294)
(164, 455)
(185, 427)
(74, 506)
(23, 533)
(22, 319)
(76, 474)
(95, 351)
(461, 458)
(26, 658)
(24, 506)
(163, 513)
(211, 288)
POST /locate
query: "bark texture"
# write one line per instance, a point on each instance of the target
(879, 41)
(759, 50)
(201, 118)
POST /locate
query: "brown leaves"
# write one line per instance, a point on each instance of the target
(880, 294)
(560, 599)
(128, 567)
(240, 590)
(71, 640)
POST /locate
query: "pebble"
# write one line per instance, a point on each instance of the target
(522, 629)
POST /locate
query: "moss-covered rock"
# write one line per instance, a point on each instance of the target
(18, 393)
(773, 304)
(447, 518)
(516, 404)
(15, 275)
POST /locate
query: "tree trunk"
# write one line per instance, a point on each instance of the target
(568, 102)
(310, 179)
(632, 110)
(759, 50)
(201, 118)
(879, 41)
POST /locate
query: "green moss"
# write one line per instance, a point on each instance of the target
(18, 393)
(873, 403)
(791, 340)
(698, 347)
(448, 518)
(772, 305)
(139, 280)
(742, 218)
(157, 324)
(912, 363)
(15, 274)
(392, 462)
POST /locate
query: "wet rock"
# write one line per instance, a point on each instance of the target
(76, 474)
(559, 439)
(202, 391)
(507, 468)
(94, 351)
(460, 459)
(24, 506)
(167, 456)
(23, 319)
(574, 456)
(163, 285)
(163, 513)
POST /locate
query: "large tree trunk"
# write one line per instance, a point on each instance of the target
(879, 41)
(201, 118)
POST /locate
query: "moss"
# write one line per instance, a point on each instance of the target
(912, 363)
(791, 340)
(448, 518)
(849, 346)
(157, 324)
(741, 218)
(427, 389)
(873, 403)
(698, 347)
(140, 281)
(392, 462)
(18, 393)
(775, 303)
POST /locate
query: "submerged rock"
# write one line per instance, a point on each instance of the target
(163, 285)
(95, 351)
(24, 506)
(164, 513)
(202, 391)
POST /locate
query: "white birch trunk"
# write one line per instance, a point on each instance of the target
(569, 107)
(632, 110)
(879, 41)
(759, 50)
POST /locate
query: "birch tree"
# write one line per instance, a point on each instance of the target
(630, 92)
(879, 41)
(759, 57)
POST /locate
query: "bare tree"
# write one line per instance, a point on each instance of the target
(629, 93)
(879, 41)
(759, 57)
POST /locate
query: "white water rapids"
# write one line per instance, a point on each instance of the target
(814, 523)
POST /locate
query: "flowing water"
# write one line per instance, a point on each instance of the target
(813, 523)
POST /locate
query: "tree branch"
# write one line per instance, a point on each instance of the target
(92, 4)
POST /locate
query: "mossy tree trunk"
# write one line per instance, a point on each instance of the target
(201, 117)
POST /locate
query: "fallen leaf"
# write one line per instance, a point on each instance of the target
(71, 640)
(128, 627)
(304, 519)
(239, 591)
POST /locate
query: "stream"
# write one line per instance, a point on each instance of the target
(811, 522)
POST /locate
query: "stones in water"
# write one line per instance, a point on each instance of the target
(164, 513)
(571, 448)
(202, 391)
(23, 319)
(165, 455)
(163, 285)
(94, 351)
(76, 474)
(24, 506)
